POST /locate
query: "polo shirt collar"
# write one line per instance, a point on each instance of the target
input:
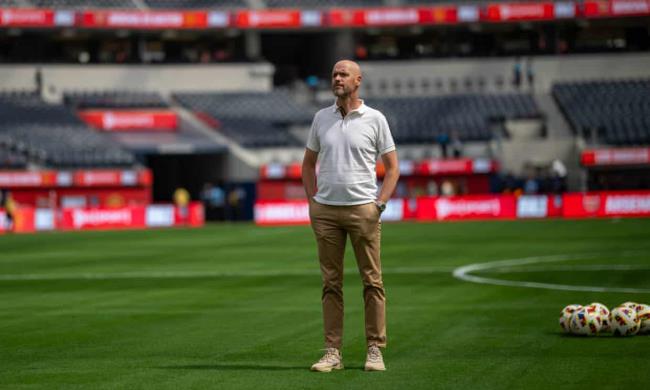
(361, 109)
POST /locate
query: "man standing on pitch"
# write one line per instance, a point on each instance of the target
(348, 137)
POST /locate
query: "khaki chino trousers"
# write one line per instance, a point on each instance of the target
(332, 225)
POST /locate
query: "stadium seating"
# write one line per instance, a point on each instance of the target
(253, 119)
(52, 135)
(423, 119)
(114, 99)
(618, 111)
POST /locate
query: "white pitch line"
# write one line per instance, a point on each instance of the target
(464, 273)
(205, 274)
(570, 268)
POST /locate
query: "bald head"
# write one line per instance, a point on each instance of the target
(351, 66)
(346, 78)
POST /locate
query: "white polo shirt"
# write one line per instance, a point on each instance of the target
(348, 149)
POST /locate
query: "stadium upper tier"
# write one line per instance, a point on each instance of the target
(114, 99)
(618, 111)
(52, 135)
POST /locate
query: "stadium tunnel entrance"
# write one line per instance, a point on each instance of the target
(204, 176)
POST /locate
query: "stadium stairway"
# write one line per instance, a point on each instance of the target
(556, 125)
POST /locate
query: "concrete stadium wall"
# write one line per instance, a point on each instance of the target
(548, 69)
(162, 78)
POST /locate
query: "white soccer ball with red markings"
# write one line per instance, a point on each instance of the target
(624, 321)
(631, 305)
(643, 315)
(565, 317)
(604, 315)
(586, 322)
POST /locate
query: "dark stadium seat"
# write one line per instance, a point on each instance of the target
(422, 119)
(253, 119)
(616, 112)
(52, 135)
(114, 99)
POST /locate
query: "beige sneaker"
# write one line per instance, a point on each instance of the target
(332, 360)
(374, 360)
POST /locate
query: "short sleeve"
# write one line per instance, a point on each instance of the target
(385, 141)
(312, 141)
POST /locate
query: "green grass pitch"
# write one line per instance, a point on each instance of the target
(238, 306)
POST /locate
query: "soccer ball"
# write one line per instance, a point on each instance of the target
(586, 322)
(624, 321)
(631, 305)
(565, 317)
(604, 315)
(643, 315)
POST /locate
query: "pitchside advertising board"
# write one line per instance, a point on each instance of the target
(28, 219)
(480, 207)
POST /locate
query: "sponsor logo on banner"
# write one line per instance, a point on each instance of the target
(281, 212)
(129, 178)
(268, 19)
(218, 19)
(275, 171)
(44, 219)
(144, 19)
(394, 210)
(406, 167)
(26, 17)
(92, 178)
(159, 215)
(565, 10)
(627, 204)
(529, 206)
(64, 18)
(378, 17)
(97, 218)
(630, 7)
(112, 120)
(481, 165)
(468, 13)
(591, 203)
(311, 18)
(467, 208)
(20, 179)
(626, 156)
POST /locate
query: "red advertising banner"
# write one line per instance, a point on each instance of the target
(620, 156)
(467, 207)
(508, 12)
(611, 8)
(282, 212)
(9, 179)
(144, 19)
(462, 166)
(78, 178)
(607, 204)
(100, 218)
(403, 16)
(268, 19)
(23, 17)
(158, 120)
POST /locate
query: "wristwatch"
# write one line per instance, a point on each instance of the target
(380, 205)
